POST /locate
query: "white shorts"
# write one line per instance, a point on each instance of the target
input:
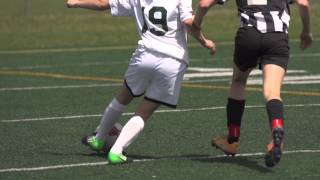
(155, 75)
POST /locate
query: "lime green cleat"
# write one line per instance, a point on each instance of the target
(94, 143)
(117, 158)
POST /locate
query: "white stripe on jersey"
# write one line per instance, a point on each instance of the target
(261, 22)
(222, 1)
(245, 16)
(278, 24)
(285, 19)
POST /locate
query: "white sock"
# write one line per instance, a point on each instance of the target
(110, 116)
(128, 134)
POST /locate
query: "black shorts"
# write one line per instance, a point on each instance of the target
(253, 47)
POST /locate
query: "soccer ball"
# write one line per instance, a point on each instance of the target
(113, 135)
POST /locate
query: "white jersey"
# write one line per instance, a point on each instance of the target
(159, 23)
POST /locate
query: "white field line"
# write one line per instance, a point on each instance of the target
(224, 72)
(302, 82)
(227, 58)
(101, 48)
(309, 79)
(259, 82)
(107, 62)
(302, 79)
(207, 70)
(305, 55)
(42, 168)
(208, 80)
(255, 81)
(59, 87)
(159, 111)
(113, 62)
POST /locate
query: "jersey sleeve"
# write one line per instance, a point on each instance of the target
(121, 7)
(185, 9)
(221, 2)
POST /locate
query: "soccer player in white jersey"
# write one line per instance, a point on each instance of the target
(262, 38)
(156, 68)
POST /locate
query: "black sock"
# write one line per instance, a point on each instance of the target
(275, 112)
(235, 109)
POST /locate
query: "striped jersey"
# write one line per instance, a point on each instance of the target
(159, 23)
(265, 15)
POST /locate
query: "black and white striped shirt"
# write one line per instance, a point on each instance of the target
(265, 15)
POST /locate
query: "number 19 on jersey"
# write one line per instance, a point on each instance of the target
(158, 17)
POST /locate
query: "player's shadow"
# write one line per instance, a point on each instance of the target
(91, 154)
(248, 162)
(99, 154)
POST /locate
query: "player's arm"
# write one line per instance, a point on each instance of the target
(198, 35)
(203, 7)
(89, 4)
(306, 35)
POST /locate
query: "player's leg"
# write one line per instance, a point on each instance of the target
(131, 131)
(236, 103)
(113, 112)
(273, 77)
(134, 86)
(246, 54)
(98, 140)
(134, 126)
(235, 108)
(164, 88)
(274, 63)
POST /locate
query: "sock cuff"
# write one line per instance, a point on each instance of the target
(274, 101)
(236, 101)
(116, 105)
(138, 121)
(275, 112)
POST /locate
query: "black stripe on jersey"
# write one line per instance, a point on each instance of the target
(163, 103)
(285, 27)
(252, 21)
(263, 17)
(265, 22)
(243, 19)
(130, 90)
(269, 22)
